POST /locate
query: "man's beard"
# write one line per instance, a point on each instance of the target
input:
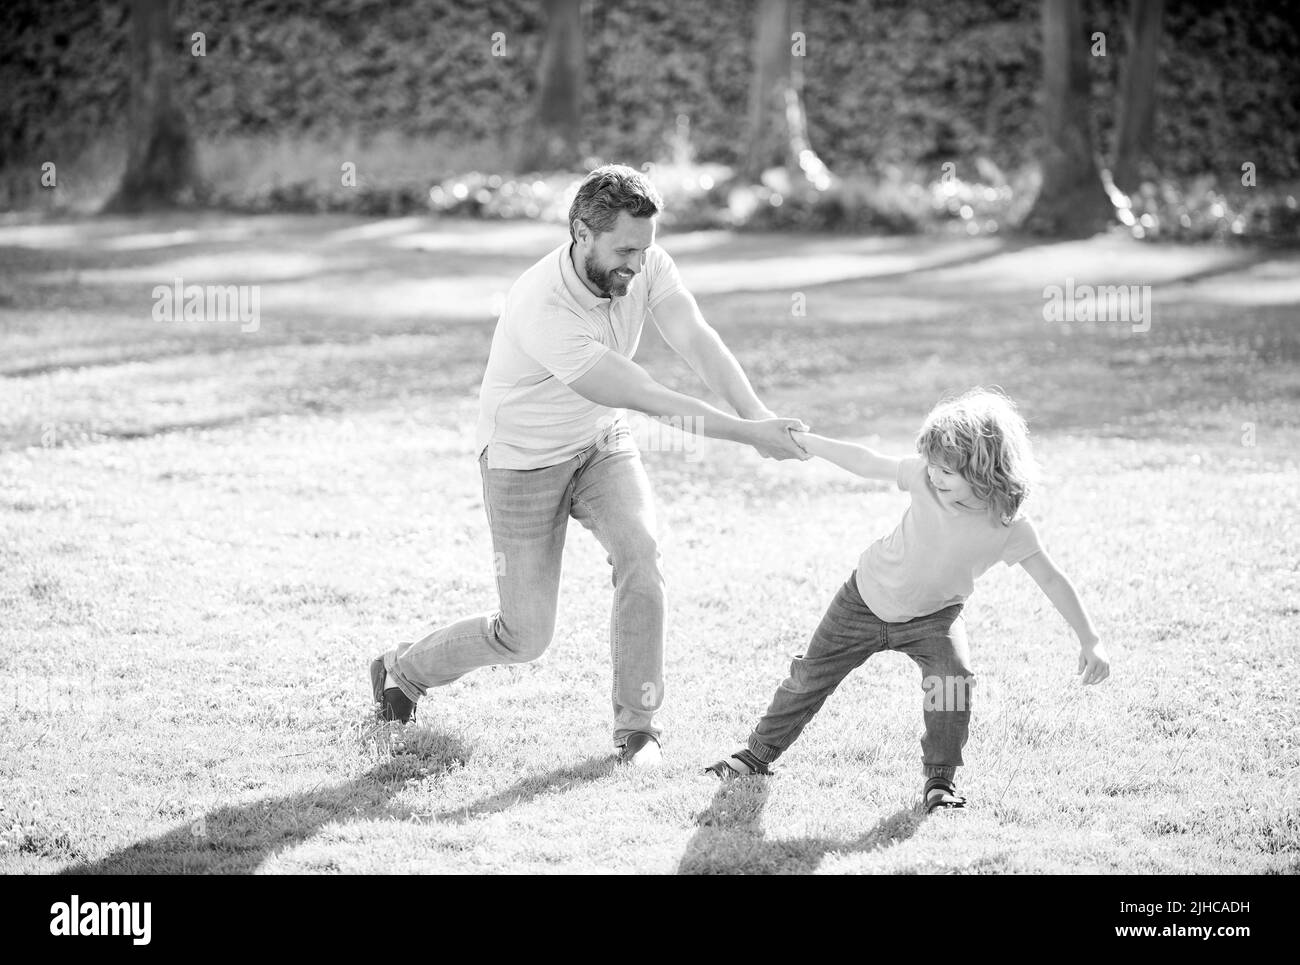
(608, 282)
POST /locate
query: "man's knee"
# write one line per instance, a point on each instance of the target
(636, 552)
(524, 642)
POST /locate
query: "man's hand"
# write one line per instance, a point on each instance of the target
(772, 439)
(619, 383)
(1094, 663)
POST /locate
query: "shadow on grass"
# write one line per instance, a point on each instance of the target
(730, 837)
(528, 788)
(238, 838)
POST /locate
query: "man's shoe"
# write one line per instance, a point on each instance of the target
(393, 703)
(641, 750)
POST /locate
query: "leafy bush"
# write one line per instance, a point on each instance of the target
(1201, 211)
(886, 81)
(917, 112)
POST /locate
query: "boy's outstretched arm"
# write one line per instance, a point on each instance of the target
(1094, 662)
(857, 459)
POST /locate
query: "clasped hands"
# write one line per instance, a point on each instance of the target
(771, 437)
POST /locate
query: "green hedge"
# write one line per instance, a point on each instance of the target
(887, 81)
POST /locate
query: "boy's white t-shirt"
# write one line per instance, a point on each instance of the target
(934, 556)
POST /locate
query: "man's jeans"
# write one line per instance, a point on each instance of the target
(849, 633)
(605, 488)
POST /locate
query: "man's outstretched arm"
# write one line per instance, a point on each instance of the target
(619, 382)
(683, 327)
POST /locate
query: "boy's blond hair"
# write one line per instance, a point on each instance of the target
(981, 436)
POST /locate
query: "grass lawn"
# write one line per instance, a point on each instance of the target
(206, 534)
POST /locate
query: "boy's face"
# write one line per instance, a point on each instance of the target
(950, 487)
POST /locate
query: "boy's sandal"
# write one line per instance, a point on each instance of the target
(745, 765)
(940, 793)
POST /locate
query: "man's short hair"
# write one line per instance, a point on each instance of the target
(608, 190)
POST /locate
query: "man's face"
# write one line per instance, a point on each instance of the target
(611, 259)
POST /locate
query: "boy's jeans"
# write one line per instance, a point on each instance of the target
(605, 488)
(849, 633)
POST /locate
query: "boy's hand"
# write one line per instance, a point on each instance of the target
(1094, 663)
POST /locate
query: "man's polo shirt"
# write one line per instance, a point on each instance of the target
(552, 331)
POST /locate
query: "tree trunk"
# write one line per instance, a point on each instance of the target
(160, 170)
(1137, 105)
(778, 126)
(552, 135)
(1072, 201)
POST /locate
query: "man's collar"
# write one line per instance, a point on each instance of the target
(580, 292)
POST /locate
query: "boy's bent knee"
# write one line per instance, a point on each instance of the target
(948, 693)
(802, 679)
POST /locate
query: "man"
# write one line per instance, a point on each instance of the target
(552, 443)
